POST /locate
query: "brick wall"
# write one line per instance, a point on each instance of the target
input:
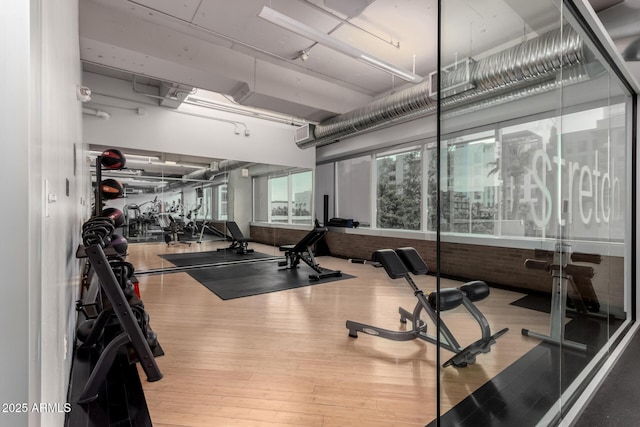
(497, 265)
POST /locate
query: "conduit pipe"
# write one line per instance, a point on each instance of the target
(97, 113)
(525, 69)
(217, 168)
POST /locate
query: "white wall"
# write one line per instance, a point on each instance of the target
(189, 131)
(18, 343)
(240, 200)
(62, 153)
(40, 124)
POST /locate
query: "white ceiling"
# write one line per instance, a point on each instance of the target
(223, 46)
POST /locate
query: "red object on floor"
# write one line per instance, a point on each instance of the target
(136, 288)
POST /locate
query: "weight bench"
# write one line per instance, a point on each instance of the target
(302, 251)
(239, 243)
(398, 264)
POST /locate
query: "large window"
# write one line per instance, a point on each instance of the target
(353, 195)
(301, 196)
(497, 181)
(283, 198)
(221, 202)
(469, 183)
(399, 187)
(279, 199)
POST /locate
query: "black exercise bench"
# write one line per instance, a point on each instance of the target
(239, 243)
(398, 264)
(302, 251)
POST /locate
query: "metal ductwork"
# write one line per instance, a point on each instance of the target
(217, 168)
(528, 68)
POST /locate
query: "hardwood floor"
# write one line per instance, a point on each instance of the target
(285, 358)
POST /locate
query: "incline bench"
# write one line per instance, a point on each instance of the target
(239, 243)
(302, 251)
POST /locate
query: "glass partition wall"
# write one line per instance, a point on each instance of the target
(533, 156)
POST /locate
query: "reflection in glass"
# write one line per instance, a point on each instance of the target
(279, 199)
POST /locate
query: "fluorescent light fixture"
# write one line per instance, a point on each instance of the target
(167, 163)
(94, 154)
(312, 34)
(170, 162)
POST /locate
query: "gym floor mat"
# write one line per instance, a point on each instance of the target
(535, 302)
(243, 280)
(210, 257)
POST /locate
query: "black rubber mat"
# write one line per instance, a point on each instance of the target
(210, 257)
(243, 280)
(534, 302)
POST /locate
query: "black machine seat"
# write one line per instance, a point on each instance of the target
(309, 240)
(413, 260)
(449, 298)
(239, 243)
(398, 263)
(302, 251)
(391, 262)
(476, 290)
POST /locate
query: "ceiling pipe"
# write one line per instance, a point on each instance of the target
(97, 113)
(217, 168)
(519, 68)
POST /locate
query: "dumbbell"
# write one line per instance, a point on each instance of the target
(97, 230)
(124, 272)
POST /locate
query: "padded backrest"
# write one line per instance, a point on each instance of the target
(234, 230)
(312, 237)
(412, 260)
(391, 262)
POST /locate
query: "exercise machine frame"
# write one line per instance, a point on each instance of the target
(398, 264)
(562, 277)
(303, 251)
(131, 333)
(239, 243)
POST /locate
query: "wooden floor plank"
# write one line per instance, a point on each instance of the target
(285, 358)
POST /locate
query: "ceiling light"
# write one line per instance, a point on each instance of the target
(128, 156)
(312, 34)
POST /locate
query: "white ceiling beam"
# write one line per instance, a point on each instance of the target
(117, 39)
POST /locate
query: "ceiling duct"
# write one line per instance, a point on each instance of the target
(217, 168)
(517, 69)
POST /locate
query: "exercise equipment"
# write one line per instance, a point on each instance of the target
(119, 244)
(115, 214)
(112, 159)
(398, 264)
(239, 243)
(111, 189)
(569, 282)
(115, 308)
(571, 287)
(172, 230)
(303, 251)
